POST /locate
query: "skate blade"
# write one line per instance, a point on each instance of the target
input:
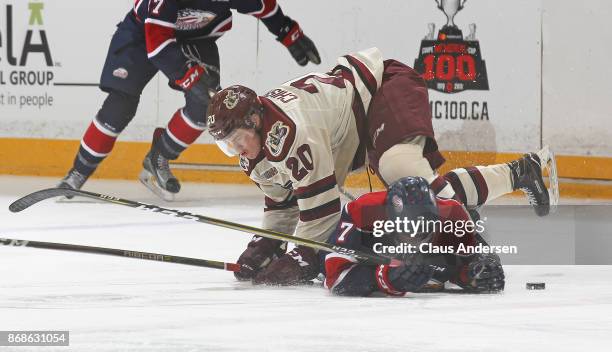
(549, 168)
(149, 181)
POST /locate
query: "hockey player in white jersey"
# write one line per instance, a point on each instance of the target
(299, 142)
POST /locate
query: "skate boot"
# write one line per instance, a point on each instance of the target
(157, 176)
(73, 180)
(527, 176)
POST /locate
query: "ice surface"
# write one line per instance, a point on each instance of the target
(120, 304)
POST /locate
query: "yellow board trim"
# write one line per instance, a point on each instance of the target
(50, 157)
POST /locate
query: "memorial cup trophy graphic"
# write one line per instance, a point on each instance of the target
(449, 62)
(450, 9)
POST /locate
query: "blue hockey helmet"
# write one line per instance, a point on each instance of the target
(411, 198)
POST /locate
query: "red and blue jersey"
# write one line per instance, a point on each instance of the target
(163, 22)
(344, 275)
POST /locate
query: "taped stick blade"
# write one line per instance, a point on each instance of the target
(38, 196)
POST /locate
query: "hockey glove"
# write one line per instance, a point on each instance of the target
(201, 81)
(409, 277)
(298, 266)
(300, 46)
(484, 273)
(259, 253)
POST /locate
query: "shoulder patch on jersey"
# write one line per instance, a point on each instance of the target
(278, 131)
(275, 138)
(190, 19)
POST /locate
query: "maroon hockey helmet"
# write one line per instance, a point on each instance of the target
(231, 108)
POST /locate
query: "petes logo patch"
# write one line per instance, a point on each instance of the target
(190, 19)
(276, 138)
(231, 99)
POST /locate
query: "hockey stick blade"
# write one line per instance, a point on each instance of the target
(38, 196)
(213, 264)
(363, 257)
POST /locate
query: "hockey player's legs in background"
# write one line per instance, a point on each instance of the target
(186, 124)
(126, 72)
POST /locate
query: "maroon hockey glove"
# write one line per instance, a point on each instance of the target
(298, 266)
(484, 273)
(300, 46)
(259, 253)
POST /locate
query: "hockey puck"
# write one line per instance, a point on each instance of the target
(535, 286)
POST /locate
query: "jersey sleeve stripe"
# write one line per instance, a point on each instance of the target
(323, 185)
(268, 8)
(321, 211)
(274, 205)
(221, 28)
(364, 74)
(160, 23)
(272, 12)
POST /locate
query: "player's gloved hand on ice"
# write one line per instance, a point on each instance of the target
(484, 273)
(300, 46)
(408, 277)
(295, 267)
(259, 253)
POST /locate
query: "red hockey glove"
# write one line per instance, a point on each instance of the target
(300, 46)
(191, 77)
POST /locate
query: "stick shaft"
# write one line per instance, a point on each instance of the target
(121, 253)
(363, 257)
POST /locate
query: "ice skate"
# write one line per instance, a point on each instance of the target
(73, 180)
(157, 177)
(527, 176)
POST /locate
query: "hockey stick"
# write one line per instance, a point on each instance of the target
(363, 257)
(122, 253)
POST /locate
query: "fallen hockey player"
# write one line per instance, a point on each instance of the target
(437, 254)
(299, 142)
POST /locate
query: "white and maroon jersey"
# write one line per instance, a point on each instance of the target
(310, 139)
